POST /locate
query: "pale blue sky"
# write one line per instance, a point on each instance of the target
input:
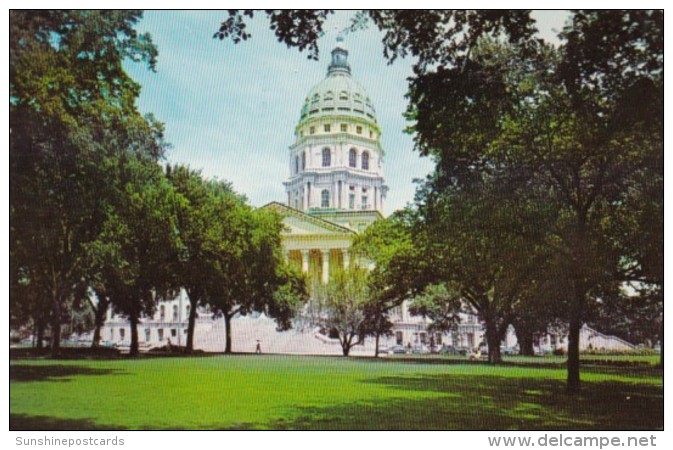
(230, 110)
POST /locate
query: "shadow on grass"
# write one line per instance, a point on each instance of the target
(450, 402)
(23, 422)
(53, 372)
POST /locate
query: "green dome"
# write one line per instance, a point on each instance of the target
(338, 94)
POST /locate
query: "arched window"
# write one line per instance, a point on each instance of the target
(296, 164)
(365, 161)
(343, 95)
(326, 157)
(303, 161)
(352, 158)
(325, 198)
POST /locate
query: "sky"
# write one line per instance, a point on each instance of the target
(230, 110)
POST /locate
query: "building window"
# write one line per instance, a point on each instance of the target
(364, 202)
(358, 129)
(326, 157)
(438, 338)
(343, 95)
(148, 335)
(399, 337)
(174, 332)
(365, 161)
(329, 95)
(344, 127)
(352, 158)
(175, 313)
(112, 334)
(328, 128)
(122, 334)
(371, 134)
(311, 130)
(324, 199)
(296, 164)
(162, 313)
(187, 308)
(351, 201)
(160, 331)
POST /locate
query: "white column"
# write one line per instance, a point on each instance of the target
(306, 199)
(304, 261)
(347, 258)
(325, 266)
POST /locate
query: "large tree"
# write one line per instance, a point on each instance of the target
(341, 307)
(397, 272)
(250, 272)
(71, 106)
(198, 225)
(135, 251)
(481, 239)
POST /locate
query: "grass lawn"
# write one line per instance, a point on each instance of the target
(304, 392)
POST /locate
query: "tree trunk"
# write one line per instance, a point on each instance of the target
(574, 328)
(55, 324)
(135, 349)
(376, 348)
(191, 324)
(346, 344)
(95, 341)
(227, 326)
(525, 340)
(101, 312)
(493, 342)
(39, 332)
(573, 383)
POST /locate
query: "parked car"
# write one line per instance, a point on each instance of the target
(398, 349)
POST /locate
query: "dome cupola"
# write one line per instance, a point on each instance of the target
(338, 94)
(339, 59)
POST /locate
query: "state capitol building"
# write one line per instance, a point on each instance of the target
(335, 190)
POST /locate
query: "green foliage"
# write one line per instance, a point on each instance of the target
(342, 304)
(441, 303)
(72, 112)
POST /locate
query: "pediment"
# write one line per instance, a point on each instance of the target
(299, 223)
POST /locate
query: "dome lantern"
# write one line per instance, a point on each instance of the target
(339, 62)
